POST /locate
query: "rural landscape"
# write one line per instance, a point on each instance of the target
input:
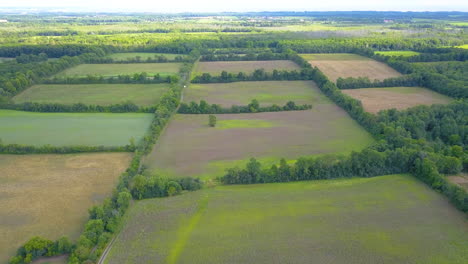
(233, 137)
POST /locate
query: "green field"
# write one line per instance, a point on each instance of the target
(463, 46)
(108, 70)
(93, 94)
(49, 195)
(404, 53)
(143, 55)
(241, 93)
(189, 147)
(389, 219)
(63, 129)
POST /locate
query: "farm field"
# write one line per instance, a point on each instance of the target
(109, 70)
(216, 67)
(404, 53)
(49, 195)
(267, 93)
(345, 65)
(144, 55)
(461, 179)
(377, 99)
(386, 219)
(64, 129)
(93, 94)
(189, 147)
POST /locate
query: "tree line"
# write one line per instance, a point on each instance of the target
(253, 107)
(25, 149)
(425, 141)
(257, 75)
(124, 107)
(137, 59)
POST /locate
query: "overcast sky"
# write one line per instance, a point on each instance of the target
(246, 5)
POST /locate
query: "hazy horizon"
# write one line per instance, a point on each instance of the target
(207, 6)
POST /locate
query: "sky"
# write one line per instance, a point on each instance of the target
(174, 6)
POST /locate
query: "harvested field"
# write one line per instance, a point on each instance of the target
(461, 179)
(189, 147)
(386, 219)
(49, 195)
(377, 99)
(216, 67)
(337, 65)
(93, 94)
(242, 93)
(64, 129)
(143, 56)
(108, 70)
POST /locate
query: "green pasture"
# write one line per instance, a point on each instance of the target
(93, 94)
(242, 93)
(388, 219)
(63, 129)
(333, 56)
(109, 70)
(396, 53)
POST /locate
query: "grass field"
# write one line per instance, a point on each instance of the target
(404, 53)
(216, 67)
(143, 55)
(108, 70)
(93, 94)
(49, 195)
(463, 46)
(389, 219)
(267, 93)
(377, 99)
(189, 147)
(62, 129)
(345, 65)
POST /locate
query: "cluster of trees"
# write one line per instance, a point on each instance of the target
(54, 51)
(364, 82)
(144, 187)
(25, 149)
(38, 247)
(257, 75)
(253, 107)
(28, 58)
(124, 107)
(142, 78)
(439, 55)
(244, 57)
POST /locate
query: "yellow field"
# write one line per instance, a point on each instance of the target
(49, 195)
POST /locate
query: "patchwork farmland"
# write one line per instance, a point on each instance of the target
(346, 65)
(388, 219)
(189, 147)
(49, 195)
(207, 138)
(93, 94)
(377, 99)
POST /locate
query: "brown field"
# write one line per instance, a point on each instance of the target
(461, 179)
(216, 67)
(344, 66)
(377, 99)
(49, 195)
(189, 147)
(242, 93)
